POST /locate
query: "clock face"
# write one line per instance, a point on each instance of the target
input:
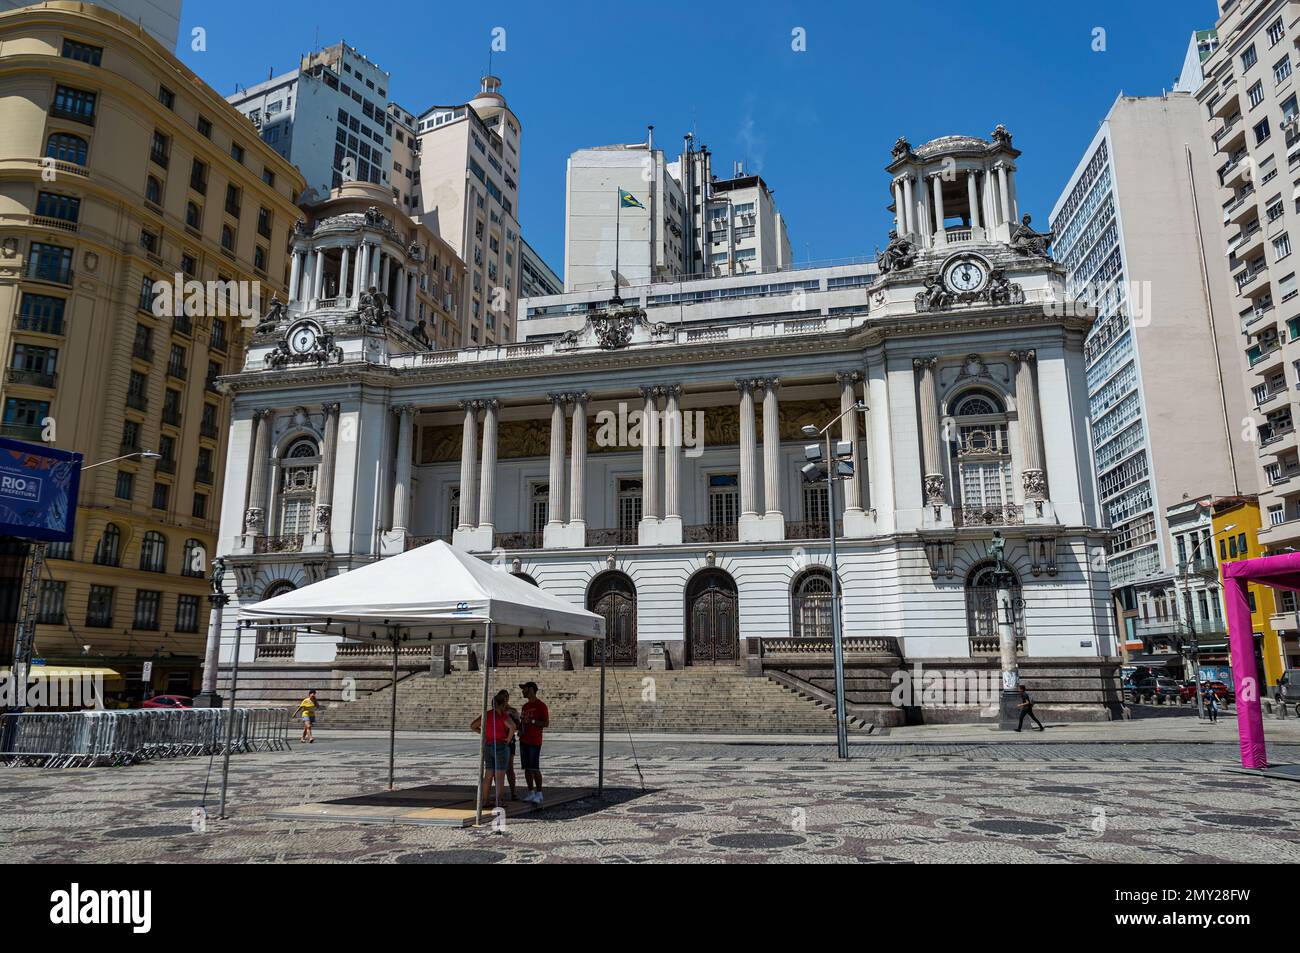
(966, 275)
(302, 338)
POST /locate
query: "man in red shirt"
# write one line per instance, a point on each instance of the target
(536, 717)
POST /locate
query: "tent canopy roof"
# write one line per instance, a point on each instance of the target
(433, 594)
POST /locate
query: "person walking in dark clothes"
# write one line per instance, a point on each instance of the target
(1026, 707)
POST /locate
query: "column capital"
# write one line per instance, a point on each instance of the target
(848, 377)
(403, 409)
(490, 403)
(560, 399)
(1024, 357)
(648, 391)
(744, 384)
(922, 363)
(263, 414)
(331, 408)
(769, 384)
(576, 397)
(672, 390)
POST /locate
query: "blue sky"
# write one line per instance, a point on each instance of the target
(817, 125)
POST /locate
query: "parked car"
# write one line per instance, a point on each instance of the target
(168, 701)
(1159, 689)
(1288, 690)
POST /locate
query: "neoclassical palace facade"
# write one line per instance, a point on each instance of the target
(641, 454)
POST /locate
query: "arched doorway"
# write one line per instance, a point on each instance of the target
(277, 642)
(517, 654)
(982, 610)
(810, 604)
(712, 631)
(613, 596)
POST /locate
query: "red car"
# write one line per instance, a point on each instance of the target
(168, 701)
(1225, 695)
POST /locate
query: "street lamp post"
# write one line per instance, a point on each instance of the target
(835, 464)
(1191, 626)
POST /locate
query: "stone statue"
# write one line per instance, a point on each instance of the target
(218, 574)
(373, 216)
(1029, 242)
(996, 552)
(374, 307)
(415, 252)
(901, 147)
(421, 334)
(935, 297)
(274, 315)
(300, 227)
(898, 254)
(1002, 291)
(1001, 136)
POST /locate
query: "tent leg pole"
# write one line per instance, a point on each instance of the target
(392, 719)
(600, 763)
(230, 723)
(482, 753)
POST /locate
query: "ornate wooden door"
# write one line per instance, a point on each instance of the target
(618, 606)
(516, 654)
(712, 616)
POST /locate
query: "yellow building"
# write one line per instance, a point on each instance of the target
(1273, 628)
(121, 169)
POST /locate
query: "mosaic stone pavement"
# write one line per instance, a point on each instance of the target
(705, 803)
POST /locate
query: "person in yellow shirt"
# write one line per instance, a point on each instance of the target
(307, 708)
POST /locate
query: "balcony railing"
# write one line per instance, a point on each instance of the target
(53, 274)
(165, 466)
(183, 324)
(517, 540)
(711, 533)
(22, 431)
(138, 401)
(72, 114)
(171, 415)
(611, 537)
(812, 529)
(209, 429)
(203, 476)
(1009, 515)
(822, 647)
(275, 650)
(18, 375)
(413, 541)
(143, 351)
(278, 544)
(992, 645)
(40, 324)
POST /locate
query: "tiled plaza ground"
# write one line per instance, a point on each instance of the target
(973, 798)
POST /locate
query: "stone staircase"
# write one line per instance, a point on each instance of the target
(721, 701)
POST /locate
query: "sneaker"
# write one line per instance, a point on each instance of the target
(537, 798)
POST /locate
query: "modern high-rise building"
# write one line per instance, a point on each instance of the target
(161, 19)
(469, 193)
(536, 278)
(1251, 113)
(126, 174)
(1136, 228)
(645, 243)
(693, 223)
(329, 117)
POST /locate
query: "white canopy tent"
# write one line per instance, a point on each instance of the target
(435, 595)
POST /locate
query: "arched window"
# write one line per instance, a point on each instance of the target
(982, 609)
(196, 559)
(153, 190)
(810, 604)
(982, 459)
(66, 148)
(108, 551)
(277, 643)
(153, 552)
(298, 473)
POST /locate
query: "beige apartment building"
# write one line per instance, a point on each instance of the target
(1249, 99)
(121, 168)
(469, 193)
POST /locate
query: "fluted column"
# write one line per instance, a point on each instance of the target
(933, 481)
(1003, 194)
(318, 275)
(909, 201)
(649, 453)
(972, 196)
(900, 220)
(255, 521)
(488, 473)
(555, 483)
(771, 447)
(578, 480)
(848, 382)
(468, 454)
(672, 452)
(410, 298)
(1031, 441)
(343, 274)
(325, 480)
(937, 181)
(748, 496)
(373, 256)
(402, 482)
(358, 276)
(295, 275)
(384, 268)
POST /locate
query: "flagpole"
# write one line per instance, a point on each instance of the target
(618, 212)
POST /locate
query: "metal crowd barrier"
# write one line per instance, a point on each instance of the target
(84, 739)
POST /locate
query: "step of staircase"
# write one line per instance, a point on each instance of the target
(682, 701)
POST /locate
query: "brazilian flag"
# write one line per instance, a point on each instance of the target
(628, 200)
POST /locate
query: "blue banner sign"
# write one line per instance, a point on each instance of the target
(38, 491)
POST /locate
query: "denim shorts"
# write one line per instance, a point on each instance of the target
(530, 756)
(496, 755)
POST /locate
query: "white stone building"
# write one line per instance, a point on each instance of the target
(701, 546)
